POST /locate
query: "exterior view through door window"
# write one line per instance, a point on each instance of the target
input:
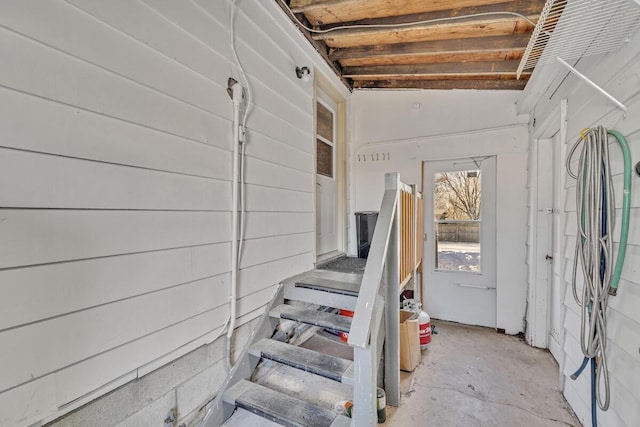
(457, 216)
(324, 141)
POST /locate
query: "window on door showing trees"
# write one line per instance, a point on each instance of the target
(457, 215)
(324, 141)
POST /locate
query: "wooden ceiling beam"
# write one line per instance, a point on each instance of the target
(457, 68)
(523, 7)
(433, 48)
(470, 28)
(442, 84)
(323, 12)
(453, 76)
(438, 58)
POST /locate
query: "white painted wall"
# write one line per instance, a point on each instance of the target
(617, 72)
(115, 159)
(389, 134)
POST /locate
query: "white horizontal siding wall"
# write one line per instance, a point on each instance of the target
(115, 163)
(618, 73)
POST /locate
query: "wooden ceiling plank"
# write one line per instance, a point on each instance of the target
(322, 12)
(436, 58)
(529, 8)
(435, 47)
(421, 33)
(505, 76)
(442, 84)
(497, 67)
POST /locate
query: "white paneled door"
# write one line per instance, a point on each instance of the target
(326, 176)
(460, 245)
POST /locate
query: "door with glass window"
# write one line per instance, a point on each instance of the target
(460, 244)
(326, 176)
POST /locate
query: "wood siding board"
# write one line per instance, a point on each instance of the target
(269, 174)
(37, 293)
(40, 236)
(152, 29)
(255, 277)
(72, 338)
(272, 199)
(418, 33)
(26, 404)
(271, 125)
(45, 181)
(88, 375)
(51, 74)
(280, 153)
(269, 224)
(107, 48)
(82, 134)
(260, 251)
(330, 11)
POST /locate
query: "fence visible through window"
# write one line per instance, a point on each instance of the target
(457, 216)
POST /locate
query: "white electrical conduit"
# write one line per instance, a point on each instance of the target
(237, 194)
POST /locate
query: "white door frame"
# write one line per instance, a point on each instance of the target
(322, 83)
(539, 292)
(463, 287)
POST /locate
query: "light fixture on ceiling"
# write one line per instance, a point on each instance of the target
(303, 73)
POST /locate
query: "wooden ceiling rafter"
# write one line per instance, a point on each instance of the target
(459, 53)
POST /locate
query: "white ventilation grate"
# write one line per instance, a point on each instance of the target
(571, 29)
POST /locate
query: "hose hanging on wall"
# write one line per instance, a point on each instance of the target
(595, 206)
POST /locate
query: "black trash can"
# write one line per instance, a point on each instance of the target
(365, 224)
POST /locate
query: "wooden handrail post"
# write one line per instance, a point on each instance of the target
(392, 304)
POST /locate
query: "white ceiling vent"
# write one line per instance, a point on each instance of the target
(571, 29)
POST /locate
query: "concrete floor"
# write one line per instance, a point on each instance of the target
(471, 376)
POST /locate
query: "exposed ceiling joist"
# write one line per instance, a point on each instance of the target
(443, 70)
(435, 44)
(461, 50)
(470, 28)
(481, 84)
(324, 12)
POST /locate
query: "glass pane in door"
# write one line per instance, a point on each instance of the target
(457, 217)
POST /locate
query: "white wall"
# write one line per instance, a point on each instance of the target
(619, 73)
(115, 159)
(389, 135)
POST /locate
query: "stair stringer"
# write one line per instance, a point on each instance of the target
(218, 411)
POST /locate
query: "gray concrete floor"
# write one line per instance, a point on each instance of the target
(471, 376)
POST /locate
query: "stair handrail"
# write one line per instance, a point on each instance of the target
(361, 328)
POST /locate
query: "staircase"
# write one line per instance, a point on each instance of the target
(312, 299)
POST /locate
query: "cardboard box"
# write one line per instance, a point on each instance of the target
(409, 340)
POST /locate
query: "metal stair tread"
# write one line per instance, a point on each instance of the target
(328, 285)
(325, 365)
(278, 407)
(312, 317)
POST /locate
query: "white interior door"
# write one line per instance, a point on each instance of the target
(558, 284)
(326, 176)
(460, 248)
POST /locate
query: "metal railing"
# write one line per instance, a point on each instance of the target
(376, 316)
